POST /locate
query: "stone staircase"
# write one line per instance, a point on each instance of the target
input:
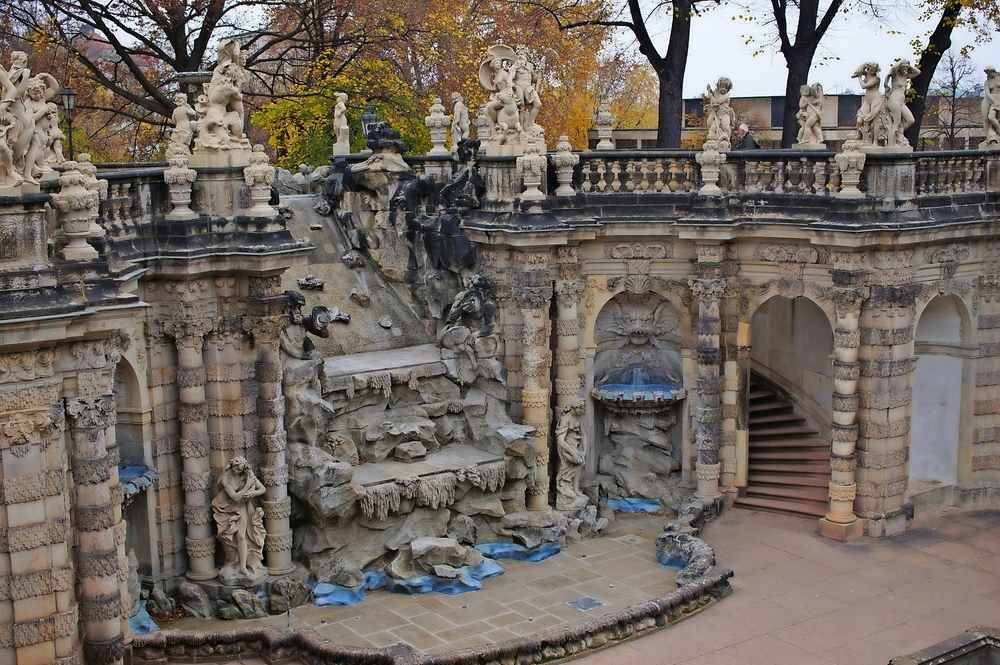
(789, 464)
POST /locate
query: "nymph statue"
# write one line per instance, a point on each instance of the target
(900, 117)
(24, 144)
(341, 130)
(240, 524)
(810, 116)
(991, 109)
(868, 123)
(719, 115)
(572, 456)
(459, 121)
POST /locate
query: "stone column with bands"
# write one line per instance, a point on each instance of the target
(535, 396)
(100, 530)
(840, 522)
(196, 477)
(276, 503)
(567, 360)
(709, 409)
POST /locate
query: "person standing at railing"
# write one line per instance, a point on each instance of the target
(745, 140)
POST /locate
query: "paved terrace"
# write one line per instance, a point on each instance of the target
(798, 598)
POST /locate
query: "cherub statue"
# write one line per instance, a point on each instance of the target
(514, 103)
(9, 129)
(719, 115)
(991, 108)
(38, 92)
(572, 456)
(459, 121)
(54, 153)
(810, 115)
(185, 121)
(240, 524)
(900, 117)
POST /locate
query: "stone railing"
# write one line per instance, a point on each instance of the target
(616, 171)
(954, 172)
(136, 194)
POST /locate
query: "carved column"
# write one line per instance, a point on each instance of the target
(709, 410)
(100, 529)
(840, 522)
(196, 477)
(569, 290)
(224, 394)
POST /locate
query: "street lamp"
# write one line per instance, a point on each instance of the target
(69, 105)
(368, 120)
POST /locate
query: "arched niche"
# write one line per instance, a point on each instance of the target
(638, 379)
(937, 391)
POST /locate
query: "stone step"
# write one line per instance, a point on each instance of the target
(789, 491)
(797, 507)
(767, 406)
(814, 442)
(761, 421)
(779, 477)
(798, 468)
(792, 454)
(781, 430)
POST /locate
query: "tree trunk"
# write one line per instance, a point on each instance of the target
(670, 71)
(937, 44)
(798, 72)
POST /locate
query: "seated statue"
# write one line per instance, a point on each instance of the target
(240, 525)
(221, 106)
(470, 330)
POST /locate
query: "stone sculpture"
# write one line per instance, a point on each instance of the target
(259, 176)
(459, 121)
(54, 154)
(469, 330)
(900, 117)
(437, 123)
(515, 101)
(341, 130)
(870, 120)
(9, 128)
(221, 106)
(605, 121)
(991, 110)
(564, 161)
(240, 525)
(185, 119)
(531, 170)
(482, 124)
(810, 117)
(39, 91)
(719, 115)
(572, 456)
(25, 123)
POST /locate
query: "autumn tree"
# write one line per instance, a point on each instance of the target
(981, 17)
(954, 105)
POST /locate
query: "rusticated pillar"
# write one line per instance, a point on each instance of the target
(196, 477)
(840, 522)
(569, 290)
(277, 505)
(100, 529)
(708, 435)
(534, 302)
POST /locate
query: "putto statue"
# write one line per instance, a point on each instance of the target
(26, 121)
(459, 121)
(572, 456)
(240, 524)
(883, 118)
(991, 110)
(810, 117)
(514, 103)
(341, 130)
(221, 106)
(185, 120)
(719, 115)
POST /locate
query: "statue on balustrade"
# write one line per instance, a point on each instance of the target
(810, 115)
(24, 122)
(459, 121)
(719, 115)
(221, 106)
(240, 524)
(514, 104)
(871, 119)
(39, 91)
(54, 153)
(572, 457)
(991, 109)
(341, 130)
(900, 117)
(185, 121)
(9, 128)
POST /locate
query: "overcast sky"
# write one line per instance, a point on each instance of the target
(717, 49)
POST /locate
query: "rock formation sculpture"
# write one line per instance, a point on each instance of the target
(185, 119)
(572, 456)
(469, 331)
(810, 117)
(719, 115)
(221, 106)
(341, 130)
(991, 109)
(240, 524)
(459, 121)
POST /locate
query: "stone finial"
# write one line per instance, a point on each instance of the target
(991, 110)
(810, 117)
(482, 125)
(605, 121)
(259, 177)
(74, 203)
(851, 161)
(179, 179)
(564, 161)
(87, 168)
(531, 170)
(437, 122)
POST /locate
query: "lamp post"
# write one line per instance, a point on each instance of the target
(368, 120)
(69, 105)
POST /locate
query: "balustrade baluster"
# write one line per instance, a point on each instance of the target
(752, 177)
(676, 170)
(689, 183)
(616, 169)
(819, 178)
(835, 182)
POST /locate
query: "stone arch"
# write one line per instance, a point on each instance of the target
(599, 296)
(942, 350)
(754, 304)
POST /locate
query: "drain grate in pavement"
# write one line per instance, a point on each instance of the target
(630, 539)
(585, 603)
